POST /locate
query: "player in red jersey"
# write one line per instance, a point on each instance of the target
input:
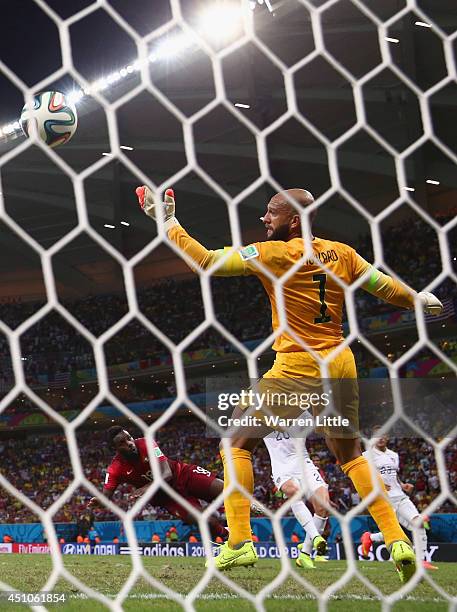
(131, 465)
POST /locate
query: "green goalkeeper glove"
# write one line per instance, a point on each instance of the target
(148, 204)
(430, 303)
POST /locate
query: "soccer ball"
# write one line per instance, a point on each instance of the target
(56, 118)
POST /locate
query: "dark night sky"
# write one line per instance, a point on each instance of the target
(41, 199)
(29, 41)
(30, 46)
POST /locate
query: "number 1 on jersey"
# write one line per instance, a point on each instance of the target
(321, 279)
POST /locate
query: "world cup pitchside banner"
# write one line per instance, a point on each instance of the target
(265, 550)
(436, 551)
(72, 548)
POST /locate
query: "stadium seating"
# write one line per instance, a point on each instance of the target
(40, 467)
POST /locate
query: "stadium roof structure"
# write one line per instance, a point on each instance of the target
(40, 197)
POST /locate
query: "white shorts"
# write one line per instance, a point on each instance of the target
(309, 482)
(405, 510)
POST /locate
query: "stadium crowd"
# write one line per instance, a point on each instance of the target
(40, 467)
(149, 388)
(176, 308)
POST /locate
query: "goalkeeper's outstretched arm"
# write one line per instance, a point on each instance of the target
(393, 291)
(379, 284)
(203, 258)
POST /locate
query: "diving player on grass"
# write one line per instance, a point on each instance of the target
(313, 303)
(131, 465)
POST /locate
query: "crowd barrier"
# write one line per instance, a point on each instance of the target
(436, 551)
(443, 528)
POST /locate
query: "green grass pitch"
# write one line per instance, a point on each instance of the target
(28, 573)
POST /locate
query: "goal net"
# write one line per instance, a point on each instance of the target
(229, 102)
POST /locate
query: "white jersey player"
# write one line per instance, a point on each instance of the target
(293, 471)
(387, 463)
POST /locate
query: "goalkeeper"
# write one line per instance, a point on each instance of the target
(313, 304)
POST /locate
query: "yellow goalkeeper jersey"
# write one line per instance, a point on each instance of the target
(313, 297)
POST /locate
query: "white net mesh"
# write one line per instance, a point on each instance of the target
(249, 15)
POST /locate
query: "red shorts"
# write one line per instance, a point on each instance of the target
(192, 482)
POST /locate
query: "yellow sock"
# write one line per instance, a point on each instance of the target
(380, 509)
(237, 505)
